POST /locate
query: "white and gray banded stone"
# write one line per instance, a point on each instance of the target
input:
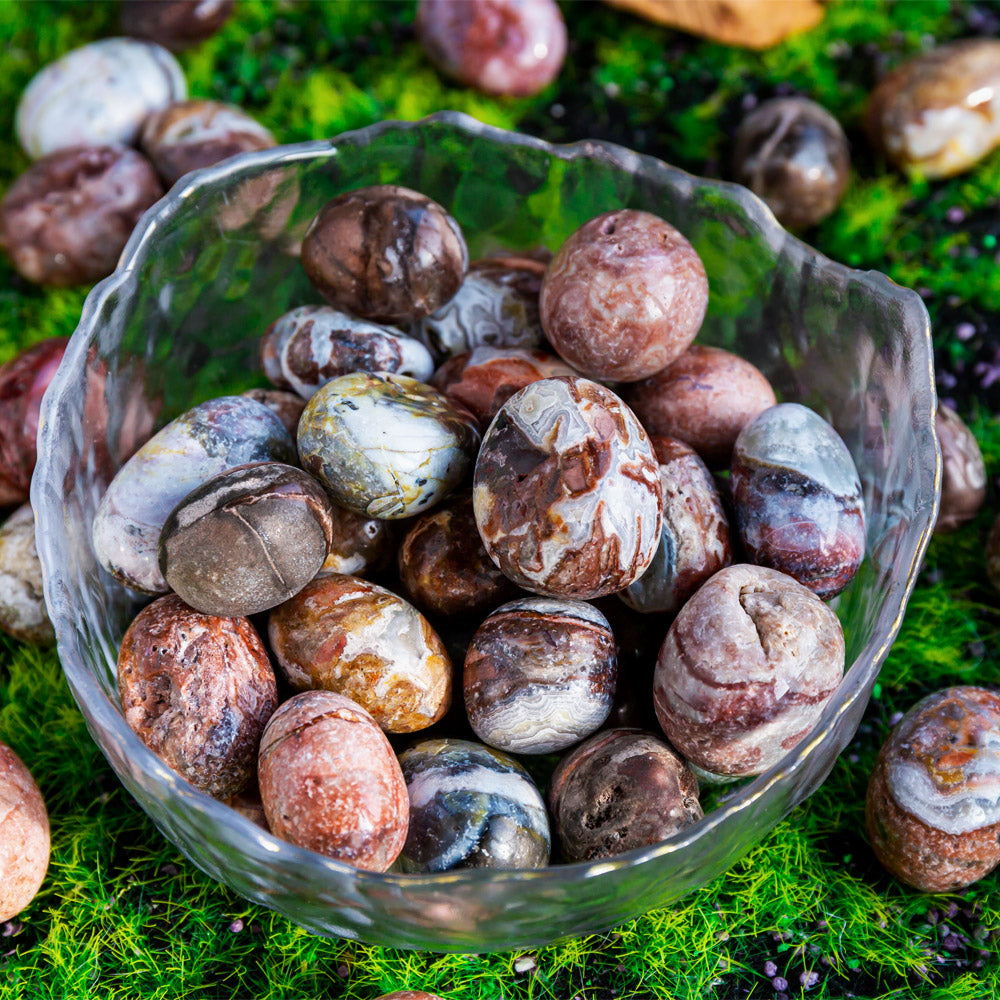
(311, 345)
(386, 446)
(540, 675)
(206, 440)
(471, 807)
(22, 601)
(97, 94)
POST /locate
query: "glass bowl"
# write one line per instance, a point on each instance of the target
(213, 263)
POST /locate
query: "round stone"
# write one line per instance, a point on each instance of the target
(360, 546)
(22, 601)
(798, 501)
(933, 806)
(386, 446)
(175, 24)
(567, 490)
(624, 296)
(385, 253)
(793, 153)
(746, 669)
(247, 539)
(471, 807)
(97, 94)
(540, 675)
(67, 218)
(963, 472)
(24, 835)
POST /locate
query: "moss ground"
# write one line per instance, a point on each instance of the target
(122, 913)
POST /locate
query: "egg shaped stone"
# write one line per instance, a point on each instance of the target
(67, 218)
(694, 540)
(386, 446)
(24, 835)
(443, 565)
(287, 405)
(746, 669)
(247, 539)
(513, 47)
(22, 601)
(23, 381)
(175, 24)
(939, 113)
(496, 306)
(624, 296)
(933, 805)
(484, 379)
(330, 782)
(963, 472)
(359, 546)
(797, 497)
(567, 490)
(190, 135)
(620, 790)
(344, 634)
(540, 675)
(312, 345)
(471, 807)
(705, 398)
(206, 440)
(793, 154)
(385, 253)
(197, 690)
(97, 94)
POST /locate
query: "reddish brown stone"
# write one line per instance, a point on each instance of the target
(444, 567)
(359, 546)
(963, 472)
(24, 835)
(624, 296)
(331, 783)
(705, 398)
(67, 218)
(198, 691)
(175, 24)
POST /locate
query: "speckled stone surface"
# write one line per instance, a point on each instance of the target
(347, 635)
(939, 113)
(24, 835)
(694, 540)
(797, 497)
(496, 306)
(444, 566)
(310, 345)
(963, 471)
(247, 539)
(567, 490)
(67, 218)
(793, 153)
(206, 440)
(22, 602)
(386, 446)
(620, 790)
(624, 296)
(746, 669)
(330, 782)
(540, 675)
(287, 405)
(933, 806)
(471, 807)
(705, 398)
(385, 253)
(97, 94)
(189, 135)
(512, 47)
(198, 691)
(175, 24)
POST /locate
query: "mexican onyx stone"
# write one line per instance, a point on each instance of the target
(471, 807)
(22, 600)
(208, 439)
(567, 490)
(963, 472)
(933, 805)
(797, 496)
(247, 539)
(540, 675)
(24, 835)
(386, 446)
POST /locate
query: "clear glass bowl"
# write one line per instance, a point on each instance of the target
(212, 264)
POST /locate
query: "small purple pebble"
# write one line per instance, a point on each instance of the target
(770, 970)
(808, 979)
(780, 984)
(236, 926)
(965, 331)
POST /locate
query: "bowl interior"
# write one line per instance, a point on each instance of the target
(215, 262)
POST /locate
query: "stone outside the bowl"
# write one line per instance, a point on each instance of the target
(867, 367)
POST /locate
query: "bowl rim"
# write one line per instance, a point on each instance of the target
(85, 686)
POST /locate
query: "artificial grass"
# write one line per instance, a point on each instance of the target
(122, 913)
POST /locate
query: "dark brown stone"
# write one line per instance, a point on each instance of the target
(963, 472)
(174, 24)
